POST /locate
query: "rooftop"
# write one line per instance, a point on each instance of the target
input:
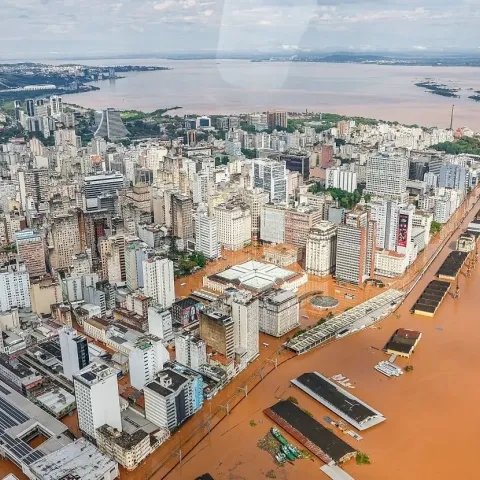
(56, 400)
(78, 460)
(94, 373)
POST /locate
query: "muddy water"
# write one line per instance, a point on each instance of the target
(432, 413)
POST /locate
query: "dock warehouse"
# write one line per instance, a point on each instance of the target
(431, 298)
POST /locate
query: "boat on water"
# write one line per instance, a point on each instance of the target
(294, 450)
(276, 433)
(287, 452)
(281, 458)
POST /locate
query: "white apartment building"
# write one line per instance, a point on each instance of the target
(190, 350)
(160, 323)
(206, 235)
(74, 348)
(201, 187)
(246, 324)
(390, 264)
(96, 394)
(387, 175)
(146, 359)
(234, 225)
(279, 312)
(321, 249)
(271, 176)
(337, 177)
(159, 280)
(14, 287)
(272, 224)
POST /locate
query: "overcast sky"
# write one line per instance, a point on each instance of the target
(50, 28)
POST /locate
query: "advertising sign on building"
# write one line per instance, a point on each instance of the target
(402, 230)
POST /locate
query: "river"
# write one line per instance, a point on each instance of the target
(239, 86)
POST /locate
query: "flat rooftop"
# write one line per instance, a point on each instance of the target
(348, 407)
(253, 275)
(56, 400)
(289, 416)
(78, 460)
(432, 297)
(452, 265)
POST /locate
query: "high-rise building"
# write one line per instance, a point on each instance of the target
(182, 219)
(14, 287)
(277, 119)
(56, 106)
(159, 281)
(271, 176)
(65, 237)
(387, 175)
(109, 124)
(256, 199)
(245, 316)
(206, 234)
(74, 348)
(30, 107)
(217, 330)
(101, 192)
(190, 350)
(135, 255)
(112, 256)
(356, 248)
(174, 396)
(279, 312)
(453, 176)
(327, 156)
(201, 187)
(31, 249)
(321, 249)
(234, 224)
(41, 107)
(337, 177)
(33, 184)
(146, 359)
(96, 394)
(160, 323)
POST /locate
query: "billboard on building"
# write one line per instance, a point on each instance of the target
(402, 230)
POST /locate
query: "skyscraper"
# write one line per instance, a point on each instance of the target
(74, 350)
(14, 287)
(109, 124)
(182, 220)
(206, 234)
(112, 255)
(65, 236)
(31, 248)
(30, 107)
(321, 249)
(101, 191)
(277, 119)
(271, 176)
(96, 394)
(56, 106)
(387, 175)
(158, 281)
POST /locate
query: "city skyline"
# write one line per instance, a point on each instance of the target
(142, 27)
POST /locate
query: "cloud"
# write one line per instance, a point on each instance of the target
(419, 47)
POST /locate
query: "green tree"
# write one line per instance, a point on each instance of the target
(435, 227)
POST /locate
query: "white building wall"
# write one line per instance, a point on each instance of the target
(158, 280)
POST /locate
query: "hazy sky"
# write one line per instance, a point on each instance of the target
(49, 28)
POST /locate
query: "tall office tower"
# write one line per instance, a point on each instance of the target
(298, 222)
(246, 319)
(279, 312)
(112, 256)
(31, 249)
(101, 192)
(190, 350)
(56, 106)
(356, 248)
(96, 394)
(206, 234)
(41, 108)
(234, 224)
(74, 348)
(272, 224)
(453, 176)
(217, 330)
(201, 187)
(321, 249)
(182, 219)
(109, 124)
(146, 359)
(135, 254)
(340, 178)
(327, 156)
(14, 287)
(65, 237)
(256, 199)
(33, 183)
(277, 119)
(417, 169)
(271, 176)
(160, 323)
(387, 175)
(159, 280)
(30, 107)
(174, 396)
